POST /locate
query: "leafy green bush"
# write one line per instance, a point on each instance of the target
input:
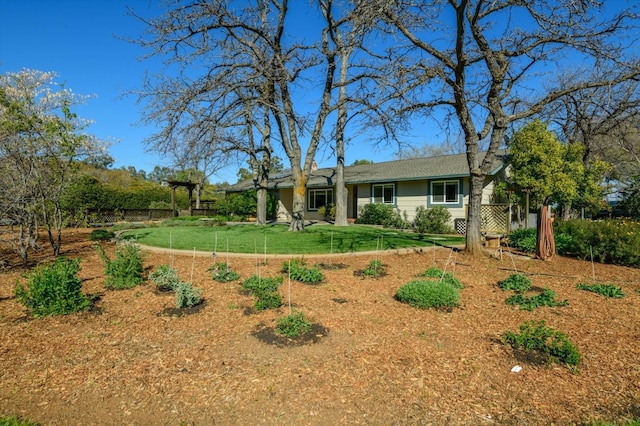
(516, 282)
(15, 421)
(299, 271)
(375, 214)
(328, 211)
(267, 300)
(435, 220)
(293, 325)
(523, 239)
(536, 336)
(125, 271)
(606, 290)
(53, 289)
(101, 235)
(375, 269)
(165, 278)
(222, 273)
(445, 277)
(546, 298)
(186, 295)
(255, 283)
(265, 290)
(428, 294)
(612, 241)
(397, 220)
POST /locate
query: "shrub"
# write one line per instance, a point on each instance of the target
(186, 295)
(165, 277)
(375, 214)
(606, 290)
(328, 211)
(435, 220)
(375, 269)
(523, 239)
(516, 282)
(611, 241)
(53, 289)
(267, 300)
(255, 284)
(15, 421)
(546, 298)
(397, 220)
(299, 271)
(265, 290)
(428, 294)
(222, 273)
(101, 235)
(535, 336)
(125, 271)
(293, 325)
(444, 277)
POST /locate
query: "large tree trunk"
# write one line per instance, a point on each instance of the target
(341, 191)
(261, 210)
(473, 244)
(299, 192)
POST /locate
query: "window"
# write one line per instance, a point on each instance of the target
(444, 192)
(319, 198)
(384, 193)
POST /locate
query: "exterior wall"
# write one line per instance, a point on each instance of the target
(285, 205)
(409, 195)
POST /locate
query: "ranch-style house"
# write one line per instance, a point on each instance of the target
(404, 184)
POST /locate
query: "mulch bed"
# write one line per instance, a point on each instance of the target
(369, 360)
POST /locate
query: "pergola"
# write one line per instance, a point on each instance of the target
(173, 184)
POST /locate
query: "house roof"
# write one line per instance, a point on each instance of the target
(438, 167)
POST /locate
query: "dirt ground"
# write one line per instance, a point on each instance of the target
(372, 360)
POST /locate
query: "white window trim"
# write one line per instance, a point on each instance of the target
(311, 192)
(383, 185)
(445, 202)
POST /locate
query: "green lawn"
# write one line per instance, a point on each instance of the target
(315, 239)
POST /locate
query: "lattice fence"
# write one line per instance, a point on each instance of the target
(494, 218)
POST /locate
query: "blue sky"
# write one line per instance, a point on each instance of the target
(80, 40)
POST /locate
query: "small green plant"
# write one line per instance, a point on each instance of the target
(125, 271)
(546, 298)
(15, 421)
(606, 290)
(517, 282)
(101, 235)
(267, 300)
(426, 294)
(255, 283)
(293, 325)
(53, 289)
(222, 273)
(265, 290)
(299, 271)
(165, 278)
(536, 336)
(186, 295)
(445, 277)
(375, 269)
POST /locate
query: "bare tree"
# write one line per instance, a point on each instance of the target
(249, 65)
(486, 63)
